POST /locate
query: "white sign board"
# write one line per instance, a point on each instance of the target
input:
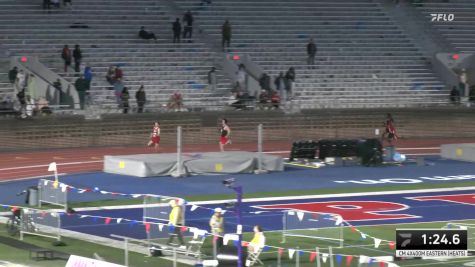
(78, 261)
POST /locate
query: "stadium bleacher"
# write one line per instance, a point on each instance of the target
(461, 31)
(111, 38)
(363, 59)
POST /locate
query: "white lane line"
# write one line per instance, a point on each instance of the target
(307, 197)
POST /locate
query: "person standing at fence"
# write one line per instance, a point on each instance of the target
(176, 222)
(216, 224)
(66, 56)
(77, 55)
(141, 99)
(155, 136)
(212, 79)
(225, 134)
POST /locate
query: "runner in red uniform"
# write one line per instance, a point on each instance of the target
(225, 134)
(155, 136)
(390, 130)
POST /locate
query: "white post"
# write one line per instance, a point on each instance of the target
(330, 255)
(284, 225)
(174, 257)
(126, 252)
(318, 257)
(179, 158)
(297, 257)
(259, 150)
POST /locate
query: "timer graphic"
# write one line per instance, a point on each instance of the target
(423, 242)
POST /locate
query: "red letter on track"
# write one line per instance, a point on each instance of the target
(468, 199)
(350, 210)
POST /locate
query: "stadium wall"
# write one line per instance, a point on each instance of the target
(202, 128)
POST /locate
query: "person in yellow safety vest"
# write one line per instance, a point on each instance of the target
(176, 220)
(258, 241)
(217, 226)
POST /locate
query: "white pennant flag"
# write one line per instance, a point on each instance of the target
(45, 182)
(160, 227)
(63, 187)
(81, 191)
(324, 257)
(223, 212)
(363, 259)
(193, 207)
(390, 264)
(54, 214)
(300, 215)
(291, 253)
(52, 167)
(84, 216)
(339, 220)
(291, 212)
(363, 235)
(104, 192)
(136, 195)
(377, 242)
(119, 220)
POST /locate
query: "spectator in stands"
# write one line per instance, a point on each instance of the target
(264, 82)
(43, 106)
(22, 99)
(212, 79)
(32, 87)
(241, 77)
(275, 99)
(47, 5)
(289, 82)
(81, 87)
(471, 95)
(188, 25)
(464, 88)
(226, 35)
(110, 76)
(55, 3)
(175, 102)
(20, 80)
(264, 99)
(119, 74)
(12, 74)
(125, 100)
(59, 89)
(141, 99)
(176, 30)
(455, 95)
(77, 55)
(146, 35)
(279, 83)
(236, 88)
(66, 56)
(67, 3)
(88, 77)
(30, 106)
(311, 52)
(118, 87)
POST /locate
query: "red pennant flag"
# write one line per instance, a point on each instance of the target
(107, 220)
(353, 229)
(43, 214)
(114, 193)
(69, 188)
(391, 245)
(315, 216)
(14, 209)
(245, 244)
(281, 251)
(88, 190)
(147, 227)
(313, 255)
(382, 264)
(349, 258)
(183, 229)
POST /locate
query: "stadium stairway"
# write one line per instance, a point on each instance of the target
(364, 58)
(107, 33)
(461, 31)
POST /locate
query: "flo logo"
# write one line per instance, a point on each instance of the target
(442, 17)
